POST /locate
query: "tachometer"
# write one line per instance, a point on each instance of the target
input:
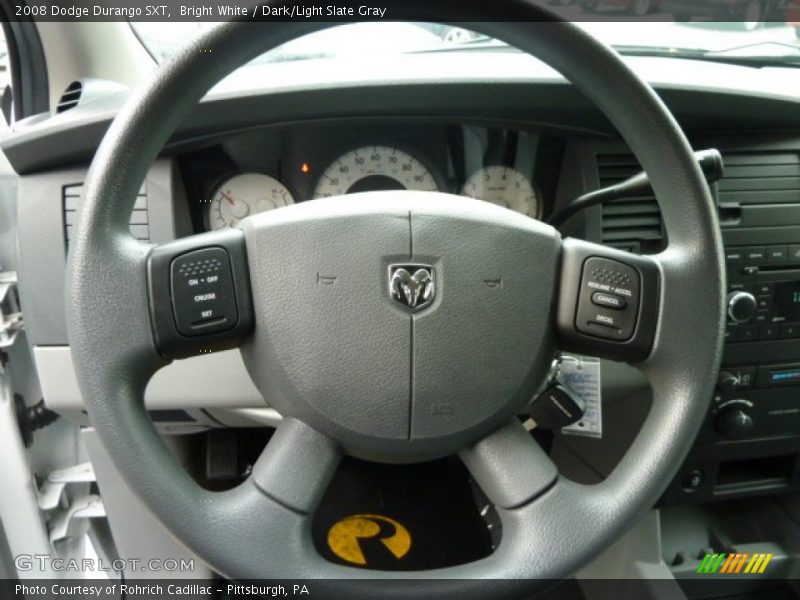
(244, 195)
(373, 168)
(504, 186)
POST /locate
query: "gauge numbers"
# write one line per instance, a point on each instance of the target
(243, 195)
(504, 186)
(373, 168)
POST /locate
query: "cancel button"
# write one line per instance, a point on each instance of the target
(608, 300)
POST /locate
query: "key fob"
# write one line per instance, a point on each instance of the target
(556, 407)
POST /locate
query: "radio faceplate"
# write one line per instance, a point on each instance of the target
(748, 443)
(769, 277)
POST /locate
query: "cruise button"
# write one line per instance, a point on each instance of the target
(608, 300)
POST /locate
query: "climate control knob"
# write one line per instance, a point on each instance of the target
(734, 423)
(741, 306)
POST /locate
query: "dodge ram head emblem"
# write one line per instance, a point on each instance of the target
(412, 285)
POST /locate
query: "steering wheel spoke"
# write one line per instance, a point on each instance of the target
(296, 466)
(608, 304)
(511, 468)
(199, 291)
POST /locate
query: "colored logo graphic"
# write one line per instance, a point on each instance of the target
(345, 536)
(729, 564)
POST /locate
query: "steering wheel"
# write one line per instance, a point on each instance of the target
(363, 359)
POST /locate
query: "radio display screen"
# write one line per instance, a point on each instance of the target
(787, 301)
(784, 376)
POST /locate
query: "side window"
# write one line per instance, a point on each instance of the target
(23, 71)
(6, 100)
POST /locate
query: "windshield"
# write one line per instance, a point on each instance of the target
(776, 41)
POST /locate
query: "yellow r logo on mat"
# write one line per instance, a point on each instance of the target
(344, 536)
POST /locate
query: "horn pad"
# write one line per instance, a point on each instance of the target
(402, 324)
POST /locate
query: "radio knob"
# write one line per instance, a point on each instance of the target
(741, 306)
(734, 423)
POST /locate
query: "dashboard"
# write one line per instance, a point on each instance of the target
(260, 171)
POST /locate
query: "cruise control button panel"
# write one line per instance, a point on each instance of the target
(608, 302)
(203, 295)
(200, 298)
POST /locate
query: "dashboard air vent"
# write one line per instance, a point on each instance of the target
(767, 177)
(73, 197)
(69, 99)
(632, 224)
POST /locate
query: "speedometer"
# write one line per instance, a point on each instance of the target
(504, 186)
(244, 195)
(373, 168)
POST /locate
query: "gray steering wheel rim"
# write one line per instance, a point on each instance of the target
(235, 531)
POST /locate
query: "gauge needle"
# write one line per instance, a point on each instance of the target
(227, 197)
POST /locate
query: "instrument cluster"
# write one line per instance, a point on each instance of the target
(493, 165)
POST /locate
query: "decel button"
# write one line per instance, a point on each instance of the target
(203, 296)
